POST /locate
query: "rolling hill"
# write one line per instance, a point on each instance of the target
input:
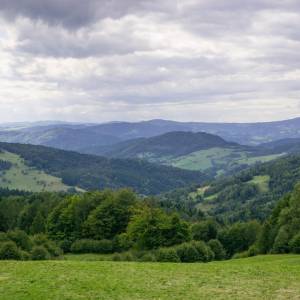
(40, 166)
(251, 193)
(83, 136)
(171, 144)
(291, 145)
(192, 151)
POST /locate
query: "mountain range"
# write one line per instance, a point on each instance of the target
(82, 136)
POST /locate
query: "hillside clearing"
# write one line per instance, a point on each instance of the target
(217, 158)
(22, 177)
(262, 182)
(264, 277)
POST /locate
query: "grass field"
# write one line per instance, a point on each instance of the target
(219, 158)
(22, 177)
(262, 182)
(254, 159)
(264, 277)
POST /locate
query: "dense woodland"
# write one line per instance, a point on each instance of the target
(41, 226)
(237, 197)
(93, 172)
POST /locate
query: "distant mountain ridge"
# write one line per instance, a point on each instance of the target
(175, 143)
(76, 136)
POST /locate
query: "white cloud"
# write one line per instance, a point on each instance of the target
(197, 60)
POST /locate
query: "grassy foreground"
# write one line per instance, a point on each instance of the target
(264, 277)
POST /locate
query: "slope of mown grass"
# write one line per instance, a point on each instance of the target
(22, 177)
(255, 159)
(262, 182)
(219, 158)
(264, 277)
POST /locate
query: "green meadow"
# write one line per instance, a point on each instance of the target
(262, 277)
(23, 177)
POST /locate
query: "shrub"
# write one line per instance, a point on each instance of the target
(21, 239)
(295, 244)
(243, 254)
(187, 253)
(92, 246)
(148, 257)
(65, 245)
(204, 231)
(211, 254)
(117, 257)
(3, 237)
(9, 250)
(51, 247)
(122, 242)
(167, 255)
(204, 253)
(39, 253)
(128, 256)
(25, 255)
(217, 248)
(281, 242)
(253, 251)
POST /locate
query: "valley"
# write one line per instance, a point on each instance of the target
(148, 205)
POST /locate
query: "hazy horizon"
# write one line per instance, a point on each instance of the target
(138, 121)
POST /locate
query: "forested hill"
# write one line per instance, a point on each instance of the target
(77, 137)
(172, 144)
(250, 194)
(94, 172)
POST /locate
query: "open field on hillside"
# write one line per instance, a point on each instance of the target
(219, 158)
(22, 177)
(264, 277)
(262, 182)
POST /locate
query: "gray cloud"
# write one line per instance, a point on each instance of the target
(203, 59)
(74, 14)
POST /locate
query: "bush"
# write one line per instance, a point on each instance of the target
(117, 257)
(295, 244)
(204, 253)
(148, 257)
(244, 254)
(281, 243)
(253, 251)
(65, 245)
(25, 255)
(39, 253)
(51, 247)
(3, 237)
(217, 248)
(187, 253)
(92, 246)
(122, 242)
(211, 254)
(167, 255)
(128, 256)
(9, 250)
(21, 239)
(204, 231)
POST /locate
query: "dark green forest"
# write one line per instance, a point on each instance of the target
(93, 172)
(240, 197)
(44, 225)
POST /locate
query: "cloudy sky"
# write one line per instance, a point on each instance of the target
(103, 60)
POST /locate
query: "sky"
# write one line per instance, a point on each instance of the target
(186, 60)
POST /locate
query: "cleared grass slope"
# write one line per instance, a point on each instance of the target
(263, 277)
(22, 177)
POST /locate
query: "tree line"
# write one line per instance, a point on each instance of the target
(133, 228)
